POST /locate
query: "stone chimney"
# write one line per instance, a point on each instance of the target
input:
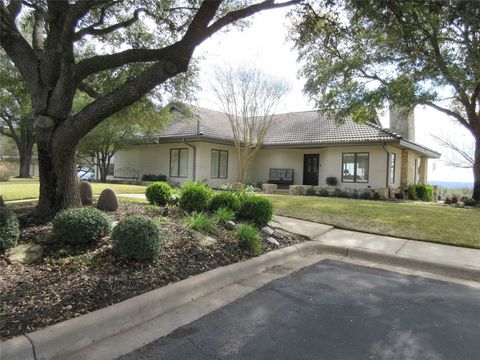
(402, 121)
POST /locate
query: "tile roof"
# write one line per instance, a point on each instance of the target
(307, 127)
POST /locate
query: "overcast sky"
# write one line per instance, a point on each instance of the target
(265, 44)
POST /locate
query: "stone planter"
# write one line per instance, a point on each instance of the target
(269, 188)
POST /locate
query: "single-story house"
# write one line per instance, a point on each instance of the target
(300, 148)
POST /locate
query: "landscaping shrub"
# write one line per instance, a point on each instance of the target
(224, 215)
(455, 199)
(249, 238)
(81, 226)
(448, 200)
(256, 209)
(158, 193)
(9, 228)
(153, 177)
(424, 192)
(411, 192)
(201, 222)
(195, 197)
(366, 195)
(469, 202)
(399, 196)
(323, 193)
(354, 194)
(224, 200)
(4, 176)
(331, 180)
(137, 238)
(376, 196)
(340, 193)
(311, 191)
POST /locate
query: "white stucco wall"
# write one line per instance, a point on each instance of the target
(152, 159)
(148, 159)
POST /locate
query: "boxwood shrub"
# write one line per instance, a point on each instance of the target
(195, 197)
(9, 229)
(158, 193)
(256, 209)
(224, 200)
(81, 226)
(137, 238)
(424, 192)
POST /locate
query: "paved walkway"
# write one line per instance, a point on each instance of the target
(385, 246)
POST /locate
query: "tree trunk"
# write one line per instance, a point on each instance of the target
(58, 179)
(476, 170)
(26, 153)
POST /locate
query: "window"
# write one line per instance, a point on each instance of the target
(392, 162)
(355, 167)
(179, 163)
(219, 165)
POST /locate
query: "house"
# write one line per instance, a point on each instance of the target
(301, 148)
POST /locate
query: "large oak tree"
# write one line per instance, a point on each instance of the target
(357, 54)
(162, 34)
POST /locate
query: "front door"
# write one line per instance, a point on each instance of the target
(311, 163)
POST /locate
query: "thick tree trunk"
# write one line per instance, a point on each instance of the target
(58, 179)
(26, 153)
(476, 170)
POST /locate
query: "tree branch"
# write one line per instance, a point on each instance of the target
(91, 30)
(452, 114)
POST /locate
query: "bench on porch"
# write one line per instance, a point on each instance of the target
(281, 176)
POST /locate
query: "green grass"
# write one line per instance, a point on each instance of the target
(17, 189)
(201, 222)
(428, 222)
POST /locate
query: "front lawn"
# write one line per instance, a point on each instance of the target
(17, 189)
(441, 224)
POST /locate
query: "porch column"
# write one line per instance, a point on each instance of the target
(406, 170)
(423, 171)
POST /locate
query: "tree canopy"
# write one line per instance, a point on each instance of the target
(73, 41)
(357, 54)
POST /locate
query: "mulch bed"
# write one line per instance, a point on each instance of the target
(69, 282)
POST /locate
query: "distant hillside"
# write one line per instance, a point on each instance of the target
(452, 184)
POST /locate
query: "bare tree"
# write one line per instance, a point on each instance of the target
(249, 97)
(460, 155)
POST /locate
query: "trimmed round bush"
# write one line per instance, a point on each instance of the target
(9, 229)
(81, 226)
(137, 238)
(158, 193)
(424, 192)
(224, 200)
(256, 209)
(195, 197)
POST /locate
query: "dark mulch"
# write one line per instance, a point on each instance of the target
(69, 282)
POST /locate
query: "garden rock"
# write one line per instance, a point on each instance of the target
(86, 193)
(204, 240)
(230, 225)
(25, 253)
(108, 200)
(273, 241)
(268, 230)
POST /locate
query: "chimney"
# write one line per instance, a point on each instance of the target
(402, 121)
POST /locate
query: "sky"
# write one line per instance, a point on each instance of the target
(265, 45)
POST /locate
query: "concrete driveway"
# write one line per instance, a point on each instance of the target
(335, 310)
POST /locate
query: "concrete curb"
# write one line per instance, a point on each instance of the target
(456, 271)
(60, 340)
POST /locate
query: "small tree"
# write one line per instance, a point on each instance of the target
(16, 120)
(249, 97)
